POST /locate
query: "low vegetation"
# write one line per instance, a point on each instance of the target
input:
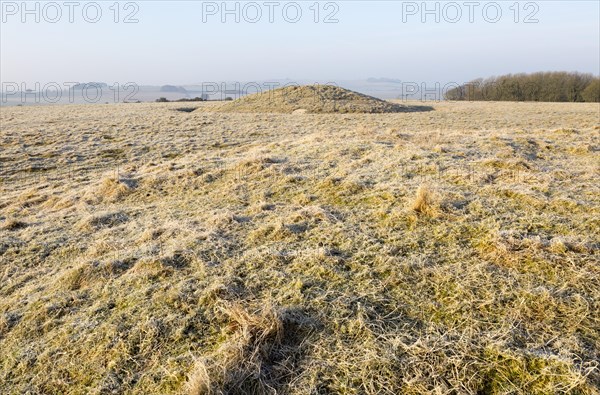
(182, 100)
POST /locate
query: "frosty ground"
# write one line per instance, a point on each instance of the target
(149, 250)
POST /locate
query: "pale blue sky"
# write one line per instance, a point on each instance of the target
(171, 44)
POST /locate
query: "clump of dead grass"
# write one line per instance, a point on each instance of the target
(426, 201)
(107, 219)
(13, 224)
(110, 189)
(243, 364)
(88, 273)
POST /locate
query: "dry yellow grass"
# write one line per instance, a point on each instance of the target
(146, 250)
(425, 201)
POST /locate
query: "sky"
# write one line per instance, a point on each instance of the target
(188, 42)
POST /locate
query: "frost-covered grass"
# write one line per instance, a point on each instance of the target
(152, 251)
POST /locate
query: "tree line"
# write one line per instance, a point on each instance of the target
(542, 86)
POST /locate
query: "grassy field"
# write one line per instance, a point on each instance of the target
(149, 250)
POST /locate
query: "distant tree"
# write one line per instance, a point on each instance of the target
(544, 86)
(592, 92)
(185, 99)
(162, 100)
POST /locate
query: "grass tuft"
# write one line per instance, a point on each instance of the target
(426, 201)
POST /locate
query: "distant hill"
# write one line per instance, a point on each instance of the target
(173, 89)
(384, 80)
(85, 85)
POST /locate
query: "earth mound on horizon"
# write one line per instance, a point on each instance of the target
(312, 99)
